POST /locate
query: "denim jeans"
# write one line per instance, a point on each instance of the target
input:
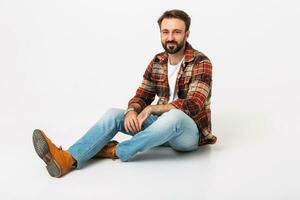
(173, 128)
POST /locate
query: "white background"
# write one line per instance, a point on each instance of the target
(64, 63)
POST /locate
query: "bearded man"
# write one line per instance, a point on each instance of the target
(180, 76)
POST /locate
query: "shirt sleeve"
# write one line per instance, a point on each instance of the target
(145, 93)
(199, 89)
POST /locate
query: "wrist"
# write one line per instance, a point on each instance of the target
(128, 110)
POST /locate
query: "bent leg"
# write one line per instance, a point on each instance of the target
(170, 126)
(98, 136)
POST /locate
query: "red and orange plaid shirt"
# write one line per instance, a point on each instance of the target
(193, 86)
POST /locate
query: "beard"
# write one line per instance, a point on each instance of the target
(173, 47)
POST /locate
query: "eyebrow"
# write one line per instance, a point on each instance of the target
(171, 30)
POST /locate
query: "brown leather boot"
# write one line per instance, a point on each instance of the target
(108, 151)
(58, 161)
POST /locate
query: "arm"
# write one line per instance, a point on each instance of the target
(152, 109)
(136, 107)
(145, 94)
(160, 109)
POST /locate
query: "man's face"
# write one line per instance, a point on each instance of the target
(173, 35)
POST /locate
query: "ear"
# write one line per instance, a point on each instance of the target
(187, 34)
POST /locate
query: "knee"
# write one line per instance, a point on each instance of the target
(175, 116)
(175, 113)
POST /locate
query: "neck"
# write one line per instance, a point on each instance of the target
(176, 57)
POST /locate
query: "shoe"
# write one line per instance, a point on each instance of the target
(108, 151)
(58, 161)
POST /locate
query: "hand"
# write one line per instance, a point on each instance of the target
(144, 115)
(131, 123)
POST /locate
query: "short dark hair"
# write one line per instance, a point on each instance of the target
(178, 14)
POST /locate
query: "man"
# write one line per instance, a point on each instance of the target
(181, 77)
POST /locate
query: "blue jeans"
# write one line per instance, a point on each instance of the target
(173, 128)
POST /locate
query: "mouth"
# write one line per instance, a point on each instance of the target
(171, 45)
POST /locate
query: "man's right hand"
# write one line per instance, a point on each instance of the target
(131, 123)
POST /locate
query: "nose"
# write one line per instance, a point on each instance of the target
(170, 37)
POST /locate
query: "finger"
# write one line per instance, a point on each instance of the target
(137, 125)
(140, 122)
(134, 125)
(126, 126)
(130, 127)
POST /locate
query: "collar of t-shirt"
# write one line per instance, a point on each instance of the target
(172, 75)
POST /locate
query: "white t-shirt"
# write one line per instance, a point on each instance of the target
(172, 76)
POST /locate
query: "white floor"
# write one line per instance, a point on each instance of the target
(56, 74)
(255, 158)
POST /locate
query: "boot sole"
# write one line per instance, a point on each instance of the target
(42, 149)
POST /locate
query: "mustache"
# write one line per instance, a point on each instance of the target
(171, 42)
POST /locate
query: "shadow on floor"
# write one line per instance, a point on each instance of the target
(168, 154)
(161, 154)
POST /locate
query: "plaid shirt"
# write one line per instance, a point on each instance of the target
(193, 86)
